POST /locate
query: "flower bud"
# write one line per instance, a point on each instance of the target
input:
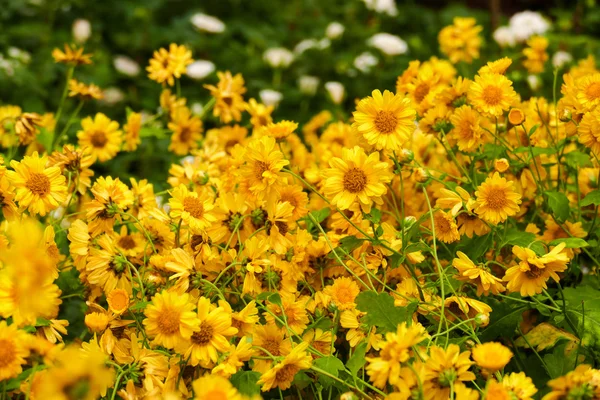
(421, 175)
(501, 165)
(516, 116)
(482, 319)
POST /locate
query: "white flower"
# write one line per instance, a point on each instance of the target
(304, 45)
(560, 58)
(112, 96)
(308, 84)
(389, 44)
(324, 43)
(382, 6)
(19, 54)
(82, 30)
(334, 30)
(126, 66)
(534, 82)
(526, 24)
(505, 36)
(278, 57)
(207, 23)
(336, 91)
(197, 108)
(200, 69)
(365, 62)
(270, 97)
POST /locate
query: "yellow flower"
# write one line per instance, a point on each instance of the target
(396, 349)
(479, 275)
(516, 116)
(520, 385)
(446, 229)
(83, 91)
(496, 199)
(445, 368)
(588, 91)
(193, 208)
(214, 387)
(77, 162)
(535, 54)
(461, 307)
(260, 114)
(26, 127)
(13, 350)
(97, 321)
(282, 375)
(118, 301)
(530, 275)
(166, 65)
(212, 337)
(356, 177)
(491, 356)
(589, 130)
(492, 94)
(460, 41)
(102, 135)
(170, 319)
(501, 165)
(228, 95)
(7, 199)
(132, 131)
(386, 121)
(263, 164)
(106, 268)
(343, 292)
(71, 55)
(187, 131)
(279, 130)
(40, 189)
(581, 383)
(272, 339)
(496, 67)
(467, 132)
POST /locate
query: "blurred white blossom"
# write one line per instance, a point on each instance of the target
(382, 6)
(112, 96)
(505, 36)
(18, 54)
(308, 84)
(305, 44)
(334, 30)
(207, 23)
(82, 30)
(526, 24)
(389, 44)
(270, 97)
(197, 108)
(560, 58)
(200, 69)
(365, 61)
(336, 91)
(278, 57)
(534, 82)
(126, 66)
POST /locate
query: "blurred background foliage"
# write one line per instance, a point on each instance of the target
(30, 29)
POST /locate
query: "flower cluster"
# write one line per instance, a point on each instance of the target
(438, 244)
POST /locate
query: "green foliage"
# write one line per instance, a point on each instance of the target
(381, 311)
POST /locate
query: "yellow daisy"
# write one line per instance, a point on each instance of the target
(445, 368)
(263, 163)
(282, 375)
(13, 350)
(479, 275)
(492, 94)
(194, 209)
(496, 199)
(214, 387)
(187, 131)
(102, 135)
(467, 132)
(132, 131)
(229, 96)
(386, 120)
(491, 356)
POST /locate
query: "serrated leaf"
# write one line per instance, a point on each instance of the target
(331, 365)
(544, 336)
(503, 320)
(381, 311)
(357, 361)
(570, 243)
(560, 361)
(559, 204)
(592, 197)
(245, 382)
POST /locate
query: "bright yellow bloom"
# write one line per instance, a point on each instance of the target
(492, 94)
(40, 189)
(166, 65)
(461, 41)
(132, 131)
(102, 135)
(356, 177)
(343, 292)
(588, 91)
(263, 164)
(283, 374)
(446, 367)
(446, 229)
(479, 275)
(118, 301)
(213, 387)
(589, 130)
(229, 97)
(581, 383)
(187, 131)
(491, 356)
(71, 55)
(193, 208)
(467, 132)
(83, 91)
(13, 350)
(519, 385)
(386, 121)
(496, 199)
(535, 54)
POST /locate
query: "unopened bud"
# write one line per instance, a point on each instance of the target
(501, 165)
(482, 319)
(421, 175)
(516, 116)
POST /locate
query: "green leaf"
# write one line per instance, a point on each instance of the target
(348, 244)
(374, 216)
(245, 382)
(139, 305)
(331, 365)
(592, 197)
(476, 247)
(493, 151)
(560, 361)
(275, 298)
(503, 320)
(584, 309)
(533, 129)
(559, 204)
(577, 159)
(570, 243)
(516, 237)
(357, 361)
(320, 215)
(381, 311)
(45, 138)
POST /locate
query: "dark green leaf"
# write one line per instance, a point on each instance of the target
(245, 382)
(503, 320)
(357, 361)
(559, 362)
(517, 237)
(559, 204)
(374, 216)
(139, 305)
(381, 311)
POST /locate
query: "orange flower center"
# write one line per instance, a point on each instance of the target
(204, 335)
(7, 352)
(593, 91)
(492, 95)
(194, 206)
(38, 184)
(534, 272)
(53, 252)
(272, 346)
(442, 224)
(386, 122)
(118, 300)
(216, 394)
(290, 199)
(126, 242)
(259, 168)
(185, 134)
(168, 322)
(283, 227)
(421, 91)
(355, 180)
(98, 139)
(286, 374)
(496, 198)
(344, 295)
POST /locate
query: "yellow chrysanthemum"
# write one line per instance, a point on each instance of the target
(496, 199)
(343, 292)
(263, 164)
(229, 96)
(71, 55)
(477, 274)
(588, 91)
(386, 120)
(215, 387)
(193, 208)
(132, 131)
(461, 41)
(356, 177)
(13, 350)
(166, 65)
(187, 131)
(40, 189)
(102, 135)
(283, 374)
(589, 130)
(467, 132)
(492, 94)
(491, 356)
(445, 368)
